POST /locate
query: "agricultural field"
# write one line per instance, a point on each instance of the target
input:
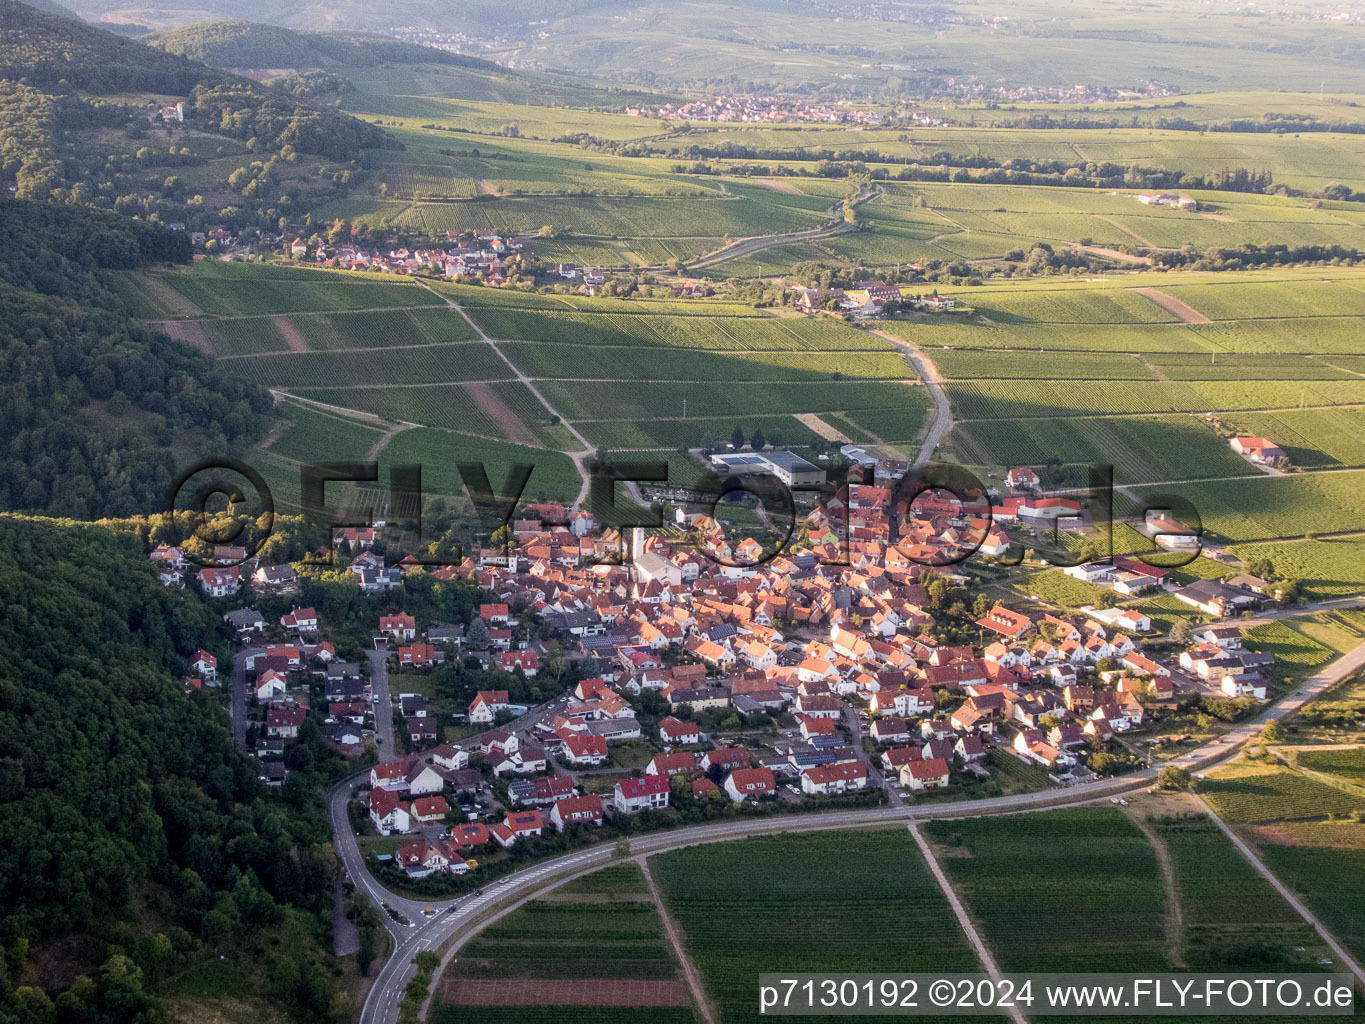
(595, 942)
(1140, 448)
(251, 290)
(1250, 792)
(1266, 507)
(1346, 764)
(438, 452)
(1327, 568)
(1057, 588)
(314, 435)
(1303, 645)
(1229, 912)
(1108, 916)
(737, 907)
(419, 365)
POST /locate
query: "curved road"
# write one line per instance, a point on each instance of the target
(381, 1006)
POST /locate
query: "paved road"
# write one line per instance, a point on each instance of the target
(237, 693)
(754, 243)
(383, 708)
(381, 1007)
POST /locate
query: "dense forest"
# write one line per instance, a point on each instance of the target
(96, 409)
(128, 814)
(246, 44)
(73, 127)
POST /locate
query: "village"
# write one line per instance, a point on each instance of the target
(701, 680)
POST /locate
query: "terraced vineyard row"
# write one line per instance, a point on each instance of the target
(720, 333)
(1139, 448)
(426, 364)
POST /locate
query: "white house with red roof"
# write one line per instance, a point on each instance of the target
(220, 582)
(401, 626)
(925, 774)
(576, 810)
(421, 655)
(269, 686)
(1258, 450)
(389, 812)
(485, 705)
(648, 792)
(743, 783)
(582, 749)
(1021, 478)
(676, 733)
(495, 614)
(832, 779)
(300, 620)
(204, 665)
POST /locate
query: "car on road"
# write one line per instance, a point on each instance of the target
(451, 909)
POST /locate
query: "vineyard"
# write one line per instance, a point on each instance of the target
(1312, 438)
(592, 936)
(1109, 913)
(1139, 448)
(782, 903)
(694, 432)
(315, 436)
(1285, 506)
(438, 452)
(424, 364)
(1269, 299)
(744, 334)
(1229, 911)
(449, 406)
(1246, 792)
(422, 326)
(645, 363)
(315, 293)
(593, 399)
(1326, 568)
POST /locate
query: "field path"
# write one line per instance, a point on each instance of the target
(960, 912)
(1172, 305)
(579, 457)
(670, 927)
(1127, 231)
(501, 413)
(1284, 891)
(1175, 916)
(943, 416)
(291, 334)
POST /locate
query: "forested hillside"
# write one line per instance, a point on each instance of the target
(76, 125)
(246, 44)
(95, 408)
(120, 793)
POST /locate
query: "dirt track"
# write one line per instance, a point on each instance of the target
(564, 992)
(1173, 305)
(501, 413)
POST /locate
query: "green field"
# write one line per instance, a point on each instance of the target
(1249, 792)
(779, 903)
(1108, 915)
(600, 934)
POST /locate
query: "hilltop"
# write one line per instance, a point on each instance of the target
(246, 44)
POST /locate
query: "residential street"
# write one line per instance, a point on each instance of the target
(383, 707)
